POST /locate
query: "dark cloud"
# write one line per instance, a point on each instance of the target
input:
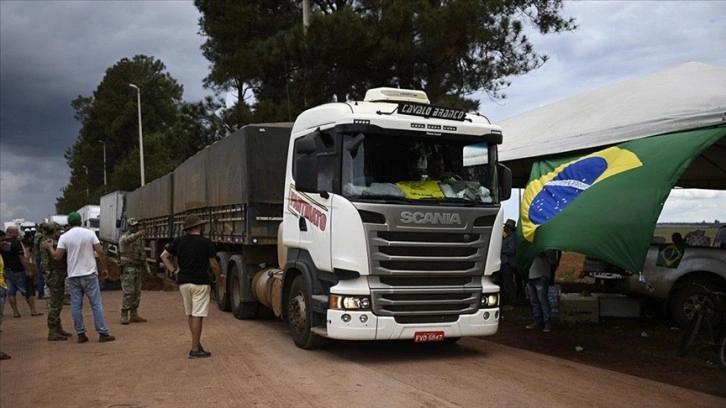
(53, 51)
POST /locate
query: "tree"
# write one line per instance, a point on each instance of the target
(449, 48)
(172, 131)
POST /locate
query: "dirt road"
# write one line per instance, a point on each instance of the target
(255, 364)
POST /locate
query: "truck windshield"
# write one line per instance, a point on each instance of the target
(416, 169)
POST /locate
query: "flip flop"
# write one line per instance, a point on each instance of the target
(37, 314)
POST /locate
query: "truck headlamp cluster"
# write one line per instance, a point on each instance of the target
(489, 300)
(349, 302)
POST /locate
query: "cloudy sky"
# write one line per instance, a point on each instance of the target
(53, 51)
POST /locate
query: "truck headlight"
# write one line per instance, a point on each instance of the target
(489, 300)
(349, 302)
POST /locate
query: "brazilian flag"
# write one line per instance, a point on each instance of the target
(605, 204)
(670, 255)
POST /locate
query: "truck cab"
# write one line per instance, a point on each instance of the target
(392, 221)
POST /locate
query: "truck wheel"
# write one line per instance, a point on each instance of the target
(299, 316)
(684, 300)
(238, 287)
(220, 291)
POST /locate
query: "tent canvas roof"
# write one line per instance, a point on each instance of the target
(688, 96)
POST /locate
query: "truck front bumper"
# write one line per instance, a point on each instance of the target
(357, 325)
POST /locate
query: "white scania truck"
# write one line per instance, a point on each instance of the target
(378, 219)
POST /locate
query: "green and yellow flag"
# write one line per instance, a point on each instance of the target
(605, 204)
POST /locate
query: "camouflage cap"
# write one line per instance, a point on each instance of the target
(132, 222)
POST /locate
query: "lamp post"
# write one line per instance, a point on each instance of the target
(104, 162)
(141, 138)
(86, 168)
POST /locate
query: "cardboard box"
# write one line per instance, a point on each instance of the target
(575, 308)
(617, 305)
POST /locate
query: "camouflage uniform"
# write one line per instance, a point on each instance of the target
(40, 236)
(55, 277)
(133, 264)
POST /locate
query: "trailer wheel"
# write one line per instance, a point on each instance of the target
(220, 291)
(300, 316)
(240, 288)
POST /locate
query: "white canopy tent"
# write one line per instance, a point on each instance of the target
(688, 96)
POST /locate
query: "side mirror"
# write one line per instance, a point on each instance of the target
(505, 182)
(306, 164)
(306, 173)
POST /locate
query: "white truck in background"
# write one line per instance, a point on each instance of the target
(375, 242)
(112, 220)
(60, 219)
(90, 217)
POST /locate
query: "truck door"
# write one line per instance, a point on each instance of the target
(315, 172)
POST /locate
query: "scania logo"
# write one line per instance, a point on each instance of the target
(409, 217)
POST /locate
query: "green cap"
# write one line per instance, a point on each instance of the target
(74, 218)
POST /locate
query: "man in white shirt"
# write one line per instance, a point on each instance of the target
(80, 244)
(538, 287)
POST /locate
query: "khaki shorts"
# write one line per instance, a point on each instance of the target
(196, 299)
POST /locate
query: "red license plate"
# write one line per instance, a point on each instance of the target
(427, 336)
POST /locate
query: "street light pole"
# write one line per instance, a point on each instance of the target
(104, 162)
(86, 168)
(141, 137)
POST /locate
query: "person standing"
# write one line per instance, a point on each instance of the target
(538, 287)
(133, 263)
(18, 271)
(508, 264)
(40, 235)
(55, 276)
(3, 291)
(195, 254)
(80, 243)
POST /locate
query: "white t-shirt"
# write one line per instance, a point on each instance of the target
(78, 243)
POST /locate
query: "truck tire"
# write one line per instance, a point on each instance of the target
(238, 285)
(686, 297)
(221, 292)
(300, 316)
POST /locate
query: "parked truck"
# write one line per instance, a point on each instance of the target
(694, 276)
(342, 225)
(60, 219)
(90, 217)
(112, 220)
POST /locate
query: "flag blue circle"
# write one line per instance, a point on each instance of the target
(565, 187)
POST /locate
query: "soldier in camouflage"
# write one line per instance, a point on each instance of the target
(55, 277)
(133, 264)
(39, 236)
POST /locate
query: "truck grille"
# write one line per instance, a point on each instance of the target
(429, 273)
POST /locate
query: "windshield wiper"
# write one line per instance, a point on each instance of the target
(380, 197)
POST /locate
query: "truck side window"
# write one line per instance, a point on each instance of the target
(326, 150)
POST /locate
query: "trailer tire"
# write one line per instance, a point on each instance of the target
(221, 292)
(300, 316)
(240, 284)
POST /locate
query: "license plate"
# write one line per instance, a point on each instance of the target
(427, 336)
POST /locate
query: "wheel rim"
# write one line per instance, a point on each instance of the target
(298, 312)
(689, 306)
